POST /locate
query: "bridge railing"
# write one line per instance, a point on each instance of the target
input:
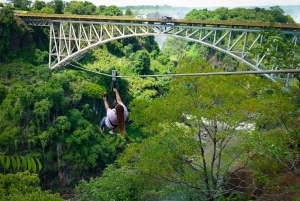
(85, 17)
(293, 26)
(238, 23)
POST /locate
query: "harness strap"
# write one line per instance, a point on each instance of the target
(114, 125)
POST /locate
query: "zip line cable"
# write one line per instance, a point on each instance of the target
(219, 73)
(90, 70)
(199, 74)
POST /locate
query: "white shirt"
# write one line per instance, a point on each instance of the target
(111, 116)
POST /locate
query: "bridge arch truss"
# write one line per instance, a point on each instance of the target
(71, 39)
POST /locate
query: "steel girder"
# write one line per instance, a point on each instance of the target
(70, 40)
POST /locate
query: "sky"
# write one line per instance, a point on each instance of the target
(191, 3)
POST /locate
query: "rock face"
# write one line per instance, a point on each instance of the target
(64, 174)
(18, 41)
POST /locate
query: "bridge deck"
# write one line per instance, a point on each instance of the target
(128, 19)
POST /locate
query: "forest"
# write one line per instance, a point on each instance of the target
(218, 138)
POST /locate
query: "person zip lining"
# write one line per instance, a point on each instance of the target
(115, 118)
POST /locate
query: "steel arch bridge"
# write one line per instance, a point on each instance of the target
(71, 36)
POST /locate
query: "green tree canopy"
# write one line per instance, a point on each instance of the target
(112, 11)
(23, 186)
(129, 12)
(38, 5)
(58, 6)
(141, 62)
(20, 4)
(192, 132)
(80, 8)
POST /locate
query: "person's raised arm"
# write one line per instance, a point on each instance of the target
(117, 96)
(105, 103)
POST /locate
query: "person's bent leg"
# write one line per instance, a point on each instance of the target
(102, 124)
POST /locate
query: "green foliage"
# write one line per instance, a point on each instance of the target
(128, 50)
(46, 10)
(20, 162)
(277, 137)
(80, 8)
(58, 6)
(119, 184)
(20, 4)
(6, 22)
(112, 11)
(179, 48)
(177, 149)
(274, 14)
(115, 48)
(142, 87)
(38, 5)
(16, 40)
(141, 63)
(41, 57)
(114, 184)
(23, 186)
(92, 90)
(40, 109)
(198, 14)
(129, 12)
(6, 14)
(3, 93)
(280, 52)
(178, 52)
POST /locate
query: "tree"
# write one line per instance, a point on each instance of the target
(58, 6)
(277, 137)
(128, 50)
(102, 9)
(26, 4)
(191, 133)
(80, 8)
(6, 21)
(280, 52)
(20, 4)
(221, 13)
(141, 62)
(272, 150)
(113, 11)
(277, 9)
(47, 10)
(3, 93)
(195, 14)
(92, 90)
(106, 186)
(129, 12)
(176, 47)
(38, 5)
(16, 3)
(23, 186)
(90, 8)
